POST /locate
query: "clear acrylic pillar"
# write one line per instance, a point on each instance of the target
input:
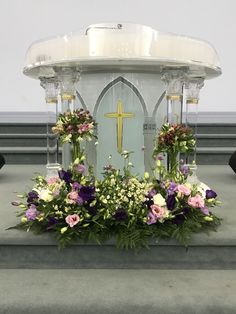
(67, 77)
(51, 96)
(174, 80)
(192, 89)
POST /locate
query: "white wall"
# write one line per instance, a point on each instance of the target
(24, 21)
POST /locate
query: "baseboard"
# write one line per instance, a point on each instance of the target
(41, 117)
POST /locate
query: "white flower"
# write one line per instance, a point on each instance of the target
(202, 187)
(158, 199)
(46, 195)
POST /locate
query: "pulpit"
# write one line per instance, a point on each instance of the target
(131, 78)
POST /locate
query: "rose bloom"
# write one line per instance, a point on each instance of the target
(72, 220)
(183, 189)
(159, 212)
(196, 201)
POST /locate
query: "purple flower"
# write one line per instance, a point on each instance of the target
(65, 176)
(179, 219)
(31, 212)
(170, 202)
(120, 214)
(210, 194)
(186, 210)
(184, 169)
(80, 201)
(205, 210)
(80, 168)
(51, 222)
(76, 186)
(32, 197)
(87, 193)
(151, 193)
(151, 218)
(172, 188)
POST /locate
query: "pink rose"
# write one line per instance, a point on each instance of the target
(196, 201)
(72, 220)
(183, 189)
(158, 211)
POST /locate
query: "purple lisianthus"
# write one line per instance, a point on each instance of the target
(87, 193)
(31, 213)
(32, 197)
(80, 168)
(151, 218)
(205, 210)
(186, 210)
(80, 201)
(184, 169)
(179, 219)
(210, 194)
(120, 214)
(65, 176)
(76, 186)
(172, 188)
(51, 222)
(151, 193)
(170, 202)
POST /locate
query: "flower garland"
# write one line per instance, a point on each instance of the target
(77, 206)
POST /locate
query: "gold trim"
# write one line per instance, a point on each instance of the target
(51, 101)
(193, 101)
(67, 97)
(173, 97)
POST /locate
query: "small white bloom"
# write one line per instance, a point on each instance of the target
(46, 195)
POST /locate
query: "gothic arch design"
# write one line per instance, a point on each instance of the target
(81, 100)
(126, 82)
(158, 104)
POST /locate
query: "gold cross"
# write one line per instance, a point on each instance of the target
(119, 115)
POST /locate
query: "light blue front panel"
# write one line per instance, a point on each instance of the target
(132, 129)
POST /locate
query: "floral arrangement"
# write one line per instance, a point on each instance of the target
(77, 206)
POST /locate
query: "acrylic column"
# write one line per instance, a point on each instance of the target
(174, 80)
(67, 78)
(192, 88)
(51, 96)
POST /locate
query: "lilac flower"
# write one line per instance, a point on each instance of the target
(151, 193)
(184, 169)
(65, 176)
(87, 193)
(151, 218)
(170, 202)
(210, 194)
(80, 201)
(31, 213)
(76, 186)
(172, 188)
(80, 168)
(205, 210)
(120, 214)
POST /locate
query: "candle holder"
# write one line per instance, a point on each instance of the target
(51, 86)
